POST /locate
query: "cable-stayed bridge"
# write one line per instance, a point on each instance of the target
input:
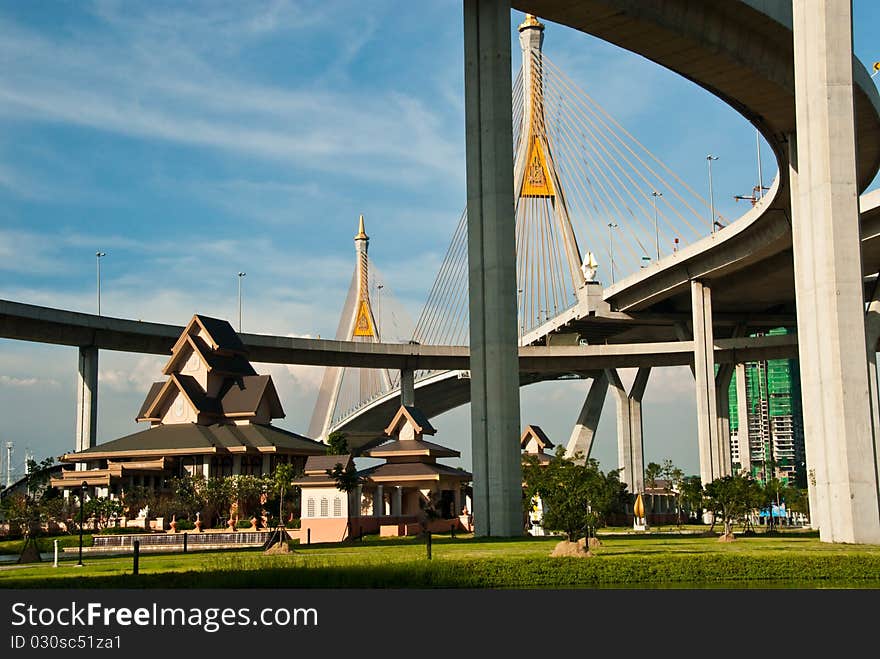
(592, 205)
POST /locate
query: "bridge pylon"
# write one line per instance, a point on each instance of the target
(357, 323)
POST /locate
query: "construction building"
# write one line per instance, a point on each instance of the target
(773, 419)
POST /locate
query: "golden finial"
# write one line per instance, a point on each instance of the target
(531, 21)
(361, 233)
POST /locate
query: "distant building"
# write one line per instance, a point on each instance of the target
(533, 442)
(211, 416)
(394, 498)
(773, 430)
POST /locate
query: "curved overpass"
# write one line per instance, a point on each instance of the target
(742, 52)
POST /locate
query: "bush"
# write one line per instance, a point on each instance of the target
(243, 524)
(292, 524)
(185, 525)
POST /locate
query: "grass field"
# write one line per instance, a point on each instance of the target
(624, 560)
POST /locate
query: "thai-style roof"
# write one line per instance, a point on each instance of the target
(242, 397)
(218, 362)
(411, 447)
(536, 433)
(239, 397)
(415, 417)
(318, 468)
(222, 338)
(409, 471)
(195, 439)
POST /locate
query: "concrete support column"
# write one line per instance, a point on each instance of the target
(494, 360)
(722, 392)
(704, 374)
(742, 414)
(397, 501)
(630, 445)
(86, 399)
(356, 503)
(840, 444)
(872, 338)
(379, 501)
(581, 439)
(407, 387)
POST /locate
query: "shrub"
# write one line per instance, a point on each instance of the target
(243, 524)
(185, 525)
(292, 524)
(120, 530)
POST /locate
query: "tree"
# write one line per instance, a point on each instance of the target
(576, 497)
(692, 494)
(347, 480)
(652, 473)
(284, 474)
(337, 443)
(674, 479)
(732, 497)
(770, 494)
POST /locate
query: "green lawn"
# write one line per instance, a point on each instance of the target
(623, 560)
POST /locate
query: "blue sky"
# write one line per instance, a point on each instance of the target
(193, 140)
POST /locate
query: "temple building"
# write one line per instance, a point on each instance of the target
(212, 415)
(409, 492)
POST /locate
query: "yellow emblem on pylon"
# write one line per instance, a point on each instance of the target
(536, 182)
(364, 325)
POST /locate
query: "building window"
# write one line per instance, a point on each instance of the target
(325, 507)
(310, 508)
(337, 507)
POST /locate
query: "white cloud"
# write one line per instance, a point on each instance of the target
(6, 380)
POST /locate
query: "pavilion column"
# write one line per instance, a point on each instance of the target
(494, 359)
(379, 501)
(407, 387)
(397, 501)
(236, 465)
(742, 414)
(206, 466)
(86, 400)
(630, 445)
(267, 464)
(840, 444)
(581, 440)
(356, 503)
(704, 375)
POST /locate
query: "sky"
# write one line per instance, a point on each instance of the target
(190, 141)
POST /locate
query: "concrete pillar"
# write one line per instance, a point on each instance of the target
(584, 432)
(704, 374)
(397, 501)
(840, 444)
(494, 360)
(379, 501)
(872, 338)
(630, 445)
(742, 413)
(86, 399)
(722, 391)
(356, 502)
(407, 387)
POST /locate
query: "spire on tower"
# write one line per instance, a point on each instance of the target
(531, 21)
(361, 233)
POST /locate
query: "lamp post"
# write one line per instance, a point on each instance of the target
(98, 256)
(709, 160)
(82, 508)
(654, 196)
(611, 225)
(240, 275)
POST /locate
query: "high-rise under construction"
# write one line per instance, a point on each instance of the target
(774, 419)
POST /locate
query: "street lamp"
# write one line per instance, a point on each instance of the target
(82, 508)
(98, 256)
(709, 160)
(611, 225)
(240, 275)
(654, 196)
